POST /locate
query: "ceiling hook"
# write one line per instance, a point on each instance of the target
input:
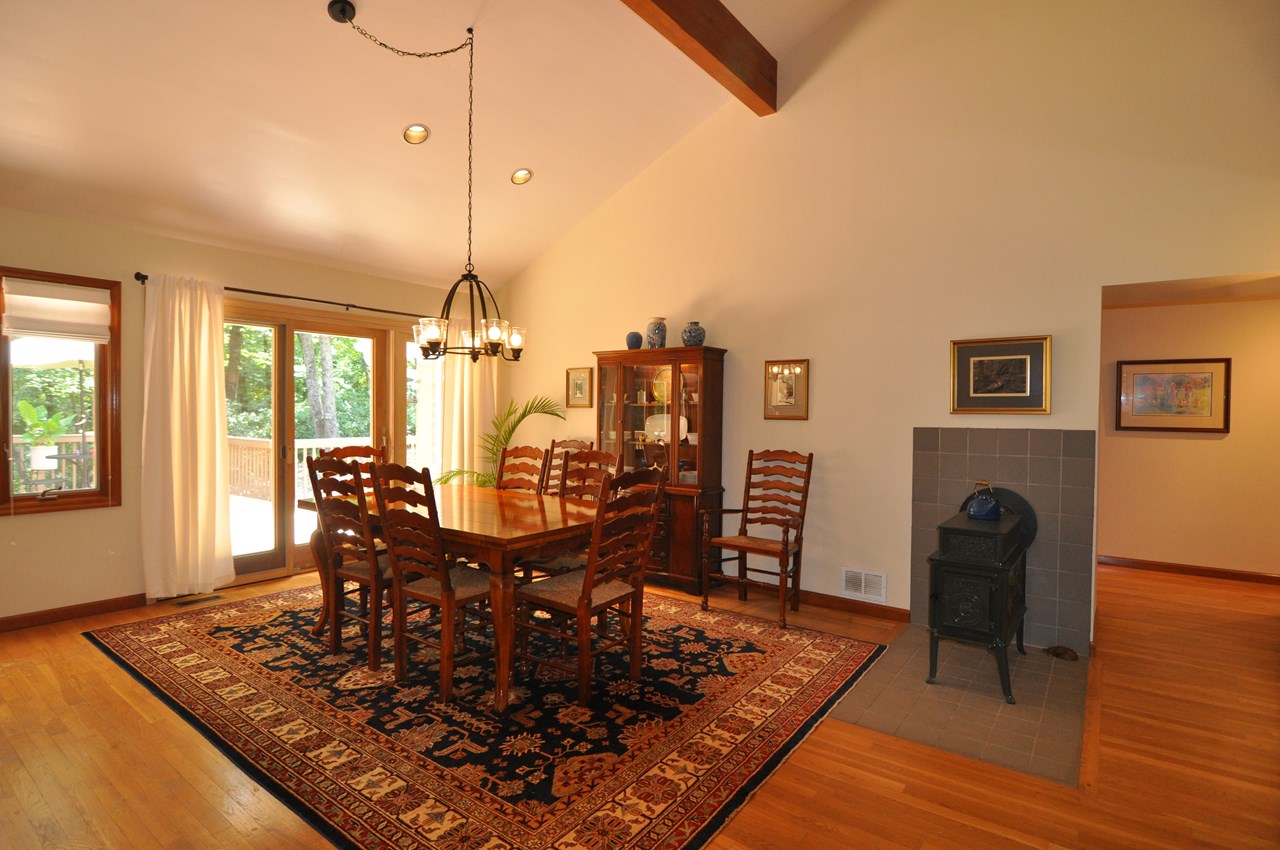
(342, 11)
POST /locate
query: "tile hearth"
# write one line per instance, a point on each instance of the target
(964, 712)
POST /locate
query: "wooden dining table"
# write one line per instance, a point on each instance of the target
(496, 527)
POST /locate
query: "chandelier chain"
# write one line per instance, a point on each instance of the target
(436, 344)
(426, 54)
(471, 106)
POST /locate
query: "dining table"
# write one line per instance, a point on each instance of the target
(496, 528)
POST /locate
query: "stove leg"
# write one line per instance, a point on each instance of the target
(1002, 664)
(933, 656)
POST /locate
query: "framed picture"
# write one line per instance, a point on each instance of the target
(786, 389)
(577, 387)
(1174, 395)
(1009, 375)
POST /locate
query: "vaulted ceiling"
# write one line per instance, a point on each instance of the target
(271, 128)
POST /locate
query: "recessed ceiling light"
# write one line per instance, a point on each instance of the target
(416, 134)
(521, 176)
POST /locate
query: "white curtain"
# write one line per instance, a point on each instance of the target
(470, 400)
(186, 532)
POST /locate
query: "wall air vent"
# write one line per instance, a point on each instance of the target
(865, 584)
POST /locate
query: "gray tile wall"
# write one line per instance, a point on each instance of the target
(1054, 471)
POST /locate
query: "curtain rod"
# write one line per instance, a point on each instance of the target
(142, 279)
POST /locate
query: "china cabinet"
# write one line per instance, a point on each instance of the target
(662, 406)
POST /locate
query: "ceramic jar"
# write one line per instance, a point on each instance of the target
(693, 334)
(655, 333)
(634, 340)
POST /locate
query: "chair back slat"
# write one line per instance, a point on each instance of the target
(584, 472)
(555, 461)
(521, 468)
(366, 456)
(410, 523)
(777, 491)
(623, 531)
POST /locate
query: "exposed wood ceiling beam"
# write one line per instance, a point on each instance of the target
(710, 35)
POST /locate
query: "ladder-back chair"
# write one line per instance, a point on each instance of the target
(600, 607)
(350, 551)
(426, 582)
(772, 526)
(521, 468)
(583, 473)
(555, 461)
(367, 456)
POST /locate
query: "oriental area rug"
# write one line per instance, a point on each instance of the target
(659, 763)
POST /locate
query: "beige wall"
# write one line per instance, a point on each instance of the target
(937, 171)
(1195, 499)
(56, 560)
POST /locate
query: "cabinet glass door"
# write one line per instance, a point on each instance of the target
(691, 421)
(610, 410)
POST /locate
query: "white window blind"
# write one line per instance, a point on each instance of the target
(57, 310)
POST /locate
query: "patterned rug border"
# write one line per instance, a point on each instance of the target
(714, 822)
(257, 774)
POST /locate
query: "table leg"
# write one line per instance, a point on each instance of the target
(322, 568)
(502, 603)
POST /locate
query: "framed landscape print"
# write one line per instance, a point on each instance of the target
(786, 389)
(1174, 395)
(1005, 375)
(577, 387)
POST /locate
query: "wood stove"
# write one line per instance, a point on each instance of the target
(977, 582)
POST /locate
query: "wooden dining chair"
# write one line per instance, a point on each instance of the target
(555, 461)
(367, 456)
(772, 526)
(521, 468)
(350, 552)
(600, 607)
(583, 473)
(432, 596)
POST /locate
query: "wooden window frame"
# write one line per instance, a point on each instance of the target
(109, 491)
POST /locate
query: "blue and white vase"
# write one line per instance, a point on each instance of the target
(655, 333)
(693, 334)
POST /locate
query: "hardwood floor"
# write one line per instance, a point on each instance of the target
(1182, 748)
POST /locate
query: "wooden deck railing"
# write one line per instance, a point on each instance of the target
(252, 469)
(75, 469)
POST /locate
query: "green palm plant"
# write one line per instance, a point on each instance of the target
(504, 427)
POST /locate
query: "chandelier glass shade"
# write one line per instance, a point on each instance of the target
(483, 333)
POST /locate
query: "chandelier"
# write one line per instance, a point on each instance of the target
(483, 332)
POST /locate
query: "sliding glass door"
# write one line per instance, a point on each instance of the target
(332, 405)
(297, 385)
(253, 445)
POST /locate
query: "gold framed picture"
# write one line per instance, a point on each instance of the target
(1004, 375)
(578, 387)
(786, 389)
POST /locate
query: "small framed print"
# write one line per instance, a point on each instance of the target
(786, 389)
(1174, 395)
(1006, 375)
(577, 387)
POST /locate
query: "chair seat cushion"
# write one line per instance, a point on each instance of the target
(561, 562)
(359, 570)
(753, 545)
(563, 591)
(468, 585)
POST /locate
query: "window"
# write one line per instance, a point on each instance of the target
(60, 405)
